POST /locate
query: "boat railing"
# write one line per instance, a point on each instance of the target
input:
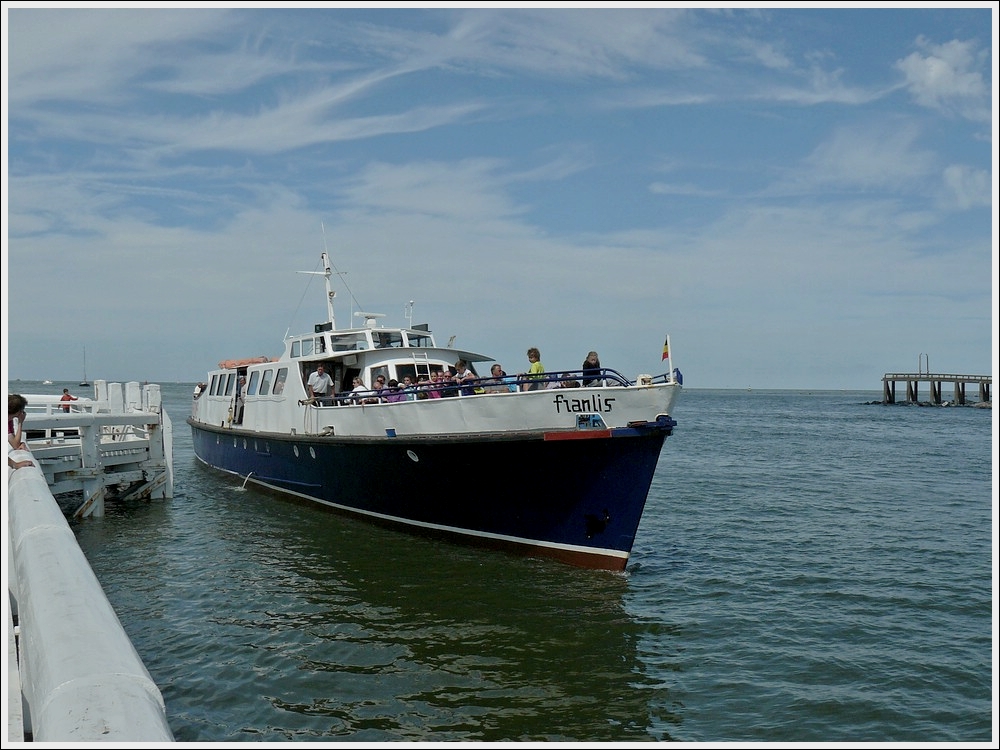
(489, 385)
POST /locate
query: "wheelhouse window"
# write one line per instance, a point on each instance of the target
(296, 348)
(387, 339)
(265, 382)
(417, 339)
(349, 342)
(230, 379)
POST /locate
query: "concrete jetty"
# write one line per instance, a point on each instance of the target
(934, 382)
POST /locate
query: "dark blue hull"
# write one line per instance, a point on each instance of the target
(572, 496)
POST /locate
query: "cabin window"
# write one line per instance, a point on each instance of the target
(230, 379)
(279, 381)
(265, 382)
(307, 347)
(254, 379)
(296, 348)
(216, 383)
(320, 344)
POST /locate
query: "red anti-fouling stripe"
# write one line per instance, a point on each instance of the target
(581, 435)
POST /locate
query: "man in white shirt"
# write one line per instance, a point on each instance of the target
(320, 385)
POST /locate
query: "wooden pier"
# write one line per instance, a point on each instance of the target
(934, 381)
(116, 446)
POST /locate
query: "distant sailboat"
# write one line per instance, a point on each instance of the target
(84, 381)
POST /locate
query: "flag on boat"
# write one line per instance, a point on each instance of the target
(666, 349)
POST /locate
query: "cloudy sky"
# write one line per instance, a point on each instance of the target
(799, 198)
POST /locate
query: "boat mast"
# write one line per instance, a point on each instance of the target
(330, 293)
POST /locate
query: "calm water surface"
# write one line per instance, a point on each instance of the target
(811, 567)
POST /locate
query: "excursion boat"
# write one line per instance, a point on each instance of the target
(556, 466)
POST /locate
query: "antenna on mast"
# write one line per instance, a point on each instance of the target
(328, 270)
(330, 293)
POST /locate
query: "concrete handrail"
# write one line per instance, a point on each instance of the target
(82, 679)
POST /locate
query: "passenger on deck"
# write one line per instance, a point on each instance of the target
(320, 385)
(394, 392)
(409, 388)
(380, 391)
(499, 382)
(535, 372)
(446, 384)
(591, 370)
(434, 387)
(359, 391)
(463, 377)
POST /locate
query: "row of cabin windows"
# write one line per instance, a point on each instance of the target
(308, 347)
(272, 383)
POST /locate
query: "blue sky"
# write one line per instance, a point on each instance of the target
(799, 198)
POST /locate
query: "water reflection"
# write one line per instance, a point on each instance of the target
(269, 620)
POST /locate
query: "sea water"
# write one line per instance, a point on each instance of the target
(811, 566)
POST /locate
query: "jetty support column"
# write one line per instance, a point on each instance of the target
(888, 391)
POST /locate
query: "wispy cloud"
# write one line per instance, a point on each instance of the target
(948, 77)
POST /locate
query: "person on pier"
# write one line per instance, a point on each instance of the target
(16, 404)
(67, 396)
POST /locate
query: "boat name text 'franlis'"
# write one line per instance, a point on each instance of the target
(594, 403)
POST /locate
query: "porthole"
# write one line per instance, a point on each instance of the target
(295, 450)
(413, 456)
(312, 452)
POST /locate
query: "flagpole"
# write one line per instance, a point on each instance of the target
(670, 358)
